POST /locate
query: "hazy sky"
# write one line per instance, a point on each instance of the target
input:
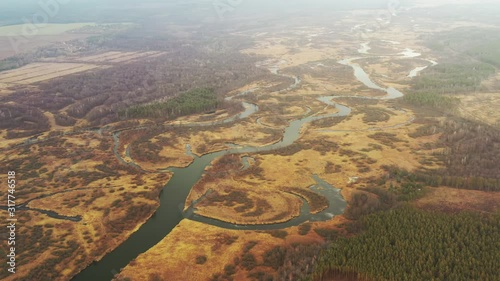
(13, 11)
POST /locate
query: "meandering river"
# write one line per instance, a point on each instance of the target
(174, 194)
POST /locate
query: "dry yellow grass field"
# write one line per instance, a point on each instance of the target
(481, 107)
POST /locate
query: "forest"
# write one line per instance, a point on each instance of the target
(469, 154)
(432, 100)
(410, 244)
(22, 121)
(98, 97)
(453, 78)
(479, 43)
(194, 101)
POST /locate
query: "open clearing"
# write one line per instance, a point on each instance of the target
(453, 200)
(481, 107)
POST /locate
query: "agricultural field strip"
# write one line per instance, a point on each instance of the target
(132, 57)
(25, 76)
(98, 60)
(112, 59)
(106, 59)
(99, 56)
(13, 76)
(59, 74)
(110, 56)
(15, 72)
(47, 69)
(50, 75)
(129, 57)
(55, 75)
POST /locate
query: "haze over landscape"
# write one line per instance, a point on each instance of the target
(250, 140)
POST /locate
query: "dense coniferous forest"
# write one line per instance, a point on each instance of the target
(452, 78)
(433, 100)
(411, 244)
(194, 101)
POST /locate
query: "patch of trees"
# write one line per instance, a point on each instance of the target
(63, 119)
(331, 168)
(316, 201)
(387, 139)
(304, 228)
(32, 242)
(22, 121)
(201, 259)
(278, 233)
(81, 108)
(287, 150)
(261, 207)
(410, 244)
(275, 258)
(290, 263)
(298, 261)
(327, 233)
(194, 101)
(369, 201)
(328, 122)
(235, 198)
(374, 114)
(248, 261)
(11, 63)
(134, 214)
(146, 151)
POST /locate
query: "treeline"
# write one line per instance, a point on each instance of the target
(10, 63)
(194, 101)
(420, 178)
(410, 244)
